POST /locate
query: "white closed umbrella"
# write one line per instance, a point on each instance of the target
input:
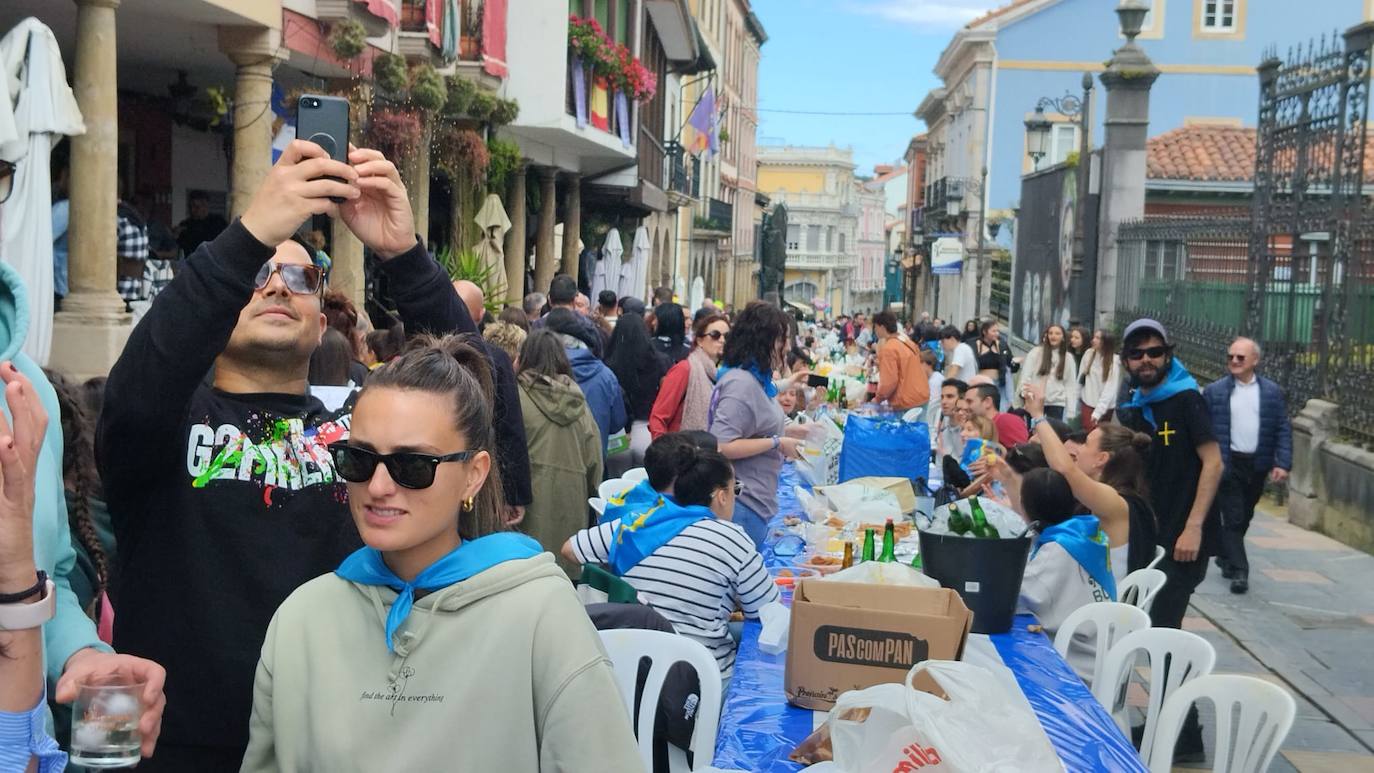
(635, 273)
(37, 111)
(606, 275)
(492, 219)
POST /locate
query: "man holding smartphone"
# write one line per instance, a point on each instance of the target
(223, 496)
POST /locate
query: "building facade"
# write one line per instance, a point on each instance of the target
(996, 69)
(822, 198)
(866, 285)
(719, 230)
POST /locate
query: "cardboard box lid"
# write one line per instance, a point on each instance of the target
(903, 599)
(899, 487)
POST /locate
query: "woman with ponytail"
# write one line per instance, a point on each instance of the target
(1108, 478)
(448, 642)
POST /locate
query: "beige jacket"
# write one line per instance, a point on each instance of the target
(500, 672)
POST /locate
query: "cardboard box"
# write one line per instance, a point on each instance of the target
(848, 636)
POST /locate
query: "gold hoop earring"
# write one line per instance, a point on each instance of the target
(467, 505)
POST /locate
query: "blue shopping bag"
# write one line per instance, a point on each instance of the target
(889, 448)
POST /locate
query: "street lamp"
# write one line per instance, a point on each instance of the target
(1038, 136)
(1038, 127)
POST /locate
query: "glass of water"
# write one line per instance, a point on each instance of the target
(105, 717)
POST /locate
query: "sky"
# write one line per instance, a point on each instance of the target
(852, 56)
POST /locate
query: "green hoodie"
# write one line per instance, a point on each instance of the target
(71, 630)
(500, 672)
(565, 460)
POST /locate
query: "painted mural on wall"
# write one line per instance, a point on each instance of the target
(1044, 289)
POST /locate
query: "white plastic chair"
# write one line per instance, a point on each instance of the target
(1174, 657)
(598, 504)
(626, 648)
(1259, 715)
(1159, 556)
(613, 487)
(1140, 587)
(1110, 620)
(635, 475)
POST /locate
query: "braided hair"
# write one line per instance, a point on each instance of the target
(79, 473)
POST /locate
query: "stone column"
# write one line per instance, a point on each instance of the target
(254, 51)
(1130, 75)
(572, 225)
(89, 332)
(544, 259)
(346, 251)
(415, 171)
(515, 238)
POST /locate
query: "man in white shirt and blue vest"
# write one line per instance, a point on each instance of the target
(1250, 419)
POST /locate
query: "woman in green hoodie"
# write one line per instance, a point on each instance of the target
(447, 643)
(564, 443)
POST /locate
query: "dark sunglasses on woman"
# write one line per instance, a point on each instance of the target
(408, 470)
(299, 279)
(716, 335)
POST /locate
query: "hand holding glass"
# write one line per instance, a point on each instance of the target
(105, 718)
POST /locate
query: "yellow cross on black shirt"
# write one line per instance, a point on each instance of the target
(1166, 433)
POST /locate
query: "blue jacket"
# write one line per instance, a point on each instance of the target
(1276, 431)
(602, 391)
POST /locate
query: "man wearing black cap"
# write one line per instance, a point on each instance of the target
(1183, 469)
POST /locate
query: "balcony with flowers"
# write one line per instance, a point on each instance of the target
(605, 80)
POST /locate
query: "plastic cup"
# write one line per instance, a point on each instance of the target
(105, 718)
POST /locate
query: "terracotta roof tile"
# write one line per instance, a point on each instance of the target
(1202, 153)
(1211, 154)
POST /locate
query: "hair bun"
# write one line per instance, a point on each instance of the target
(1141, 442)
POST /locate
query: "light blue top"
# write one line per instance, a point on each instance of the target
(61, 214)
(22, 737)
(71, 629)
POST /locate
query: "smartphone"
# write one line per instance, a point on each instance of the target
(817, 380)
(323, 120)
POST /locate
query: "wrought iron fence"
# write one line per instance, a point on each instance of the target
(1297, 274)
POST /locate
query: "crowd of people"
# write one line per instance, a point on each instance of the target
(316, 535)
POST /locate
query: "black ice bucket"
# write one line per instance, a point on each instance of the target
(986, 573)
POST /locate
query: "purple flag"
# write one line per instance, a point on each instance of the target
(703, 119)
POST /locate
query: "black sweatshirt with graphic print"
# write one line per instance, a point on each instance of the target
(223, 504)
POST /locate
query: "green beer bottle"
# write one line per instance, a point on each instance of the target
(868, 545)
(916, 563)
(889, 543)
(981, 527)
(958, 522)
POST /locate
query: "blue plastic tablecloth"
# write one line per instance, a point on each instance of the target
(759, 728)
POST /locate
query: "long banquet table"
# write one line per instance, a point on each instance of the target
(759, 728)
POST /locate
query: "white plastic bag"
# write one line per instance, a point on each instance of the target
(857, 503)
(1006, 520)
(884, 573)
(979, 729)
(820, 455)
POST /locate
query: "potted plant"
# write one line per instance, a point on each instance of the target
(347, 38)
(395, 131)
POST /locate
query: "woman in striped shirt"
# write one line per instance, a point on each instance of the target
(684, 556)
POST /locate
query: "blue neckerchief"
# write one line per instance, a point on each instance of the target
(628, 501)
(366, 567)
(1082, 537)
(973, 448)
(765, 379)
(1178, 380)
(649, 528)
